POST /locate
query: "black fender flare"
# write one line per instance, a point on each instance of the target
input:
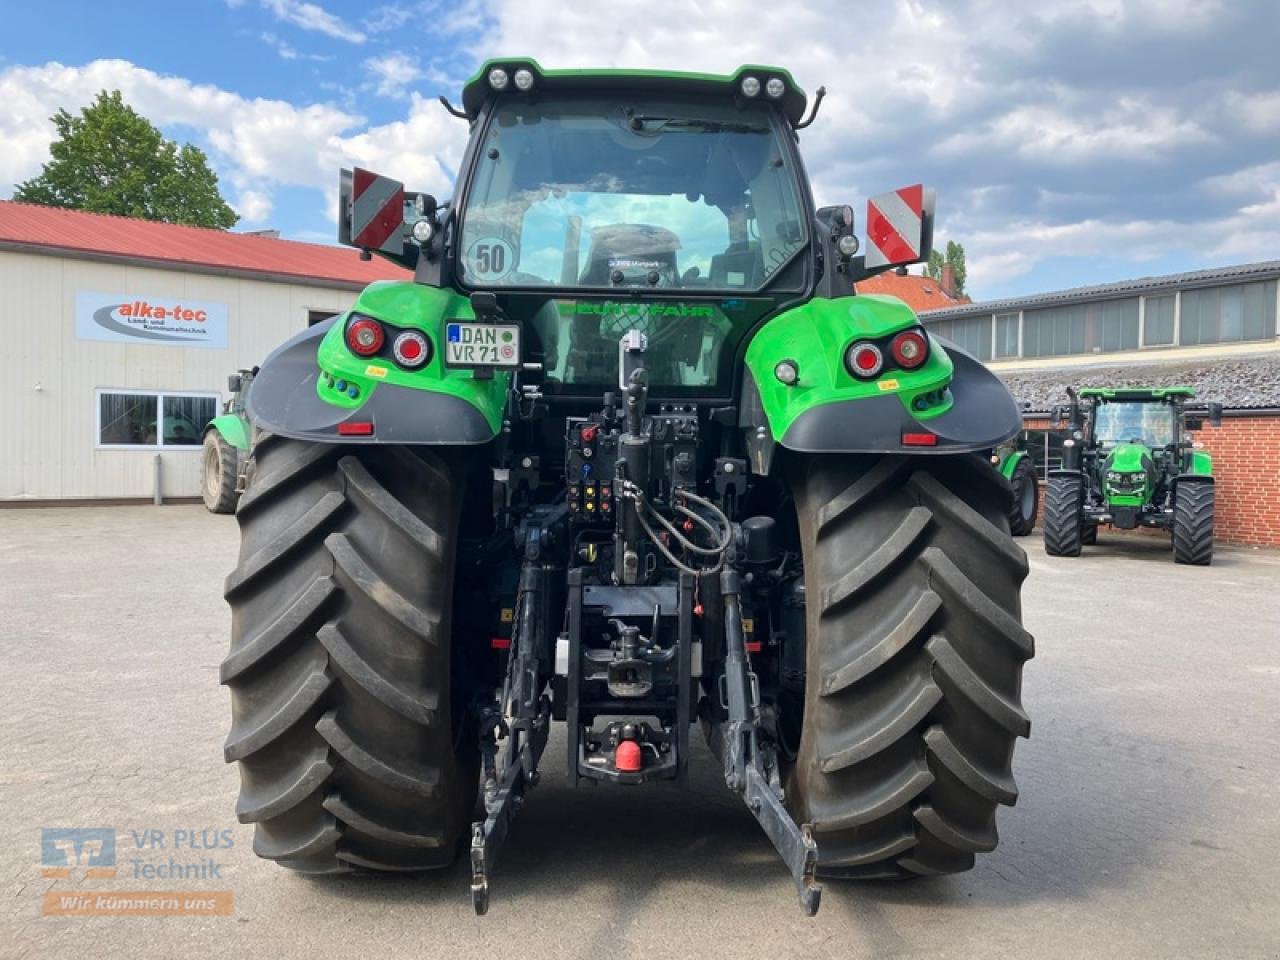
(284, 401)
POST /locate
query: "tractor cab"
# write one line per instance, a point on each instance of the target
(1151, 423)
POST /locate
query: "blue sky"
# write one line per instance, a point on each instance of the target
(1070, 141)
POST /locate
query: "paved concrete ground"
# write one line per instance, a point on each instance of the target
(1148, 824)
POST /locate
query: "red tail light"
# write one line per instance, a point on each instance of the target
(864, 360)
(909, 349)
(411, 349)
(365, 336)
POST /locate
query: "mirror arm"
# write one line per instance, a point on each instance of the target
(460, 114)
(813, 111)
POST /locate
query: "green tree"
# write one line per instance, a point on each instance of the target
(953, 256)
(110, 159)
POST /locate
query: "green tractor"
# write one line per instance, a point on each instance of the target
(629, 455)
(226, 448)
(1016, 466)
(1127, 462)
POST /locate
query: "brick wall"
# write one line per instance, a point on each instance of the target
(1246, 469)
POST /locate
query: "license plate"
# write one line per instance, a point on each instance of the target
(482, 345)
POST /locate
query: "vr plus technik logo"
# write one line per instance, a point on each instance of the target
(81, 851)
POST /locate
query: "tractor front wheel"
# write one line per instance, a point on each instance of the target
(1063, 524)
(352, 749)
(219, 467)
(1026, 497)
(914, 662)
(1193, 522)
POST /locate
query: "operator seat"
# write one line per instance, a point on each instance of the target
(636, 250)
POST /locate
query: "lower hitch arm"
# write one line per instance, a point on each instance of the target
(749, 765)
(503, 797)
(524, 719)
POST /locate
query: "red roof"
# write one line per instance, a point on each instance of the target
(74, 232)
(919, 293)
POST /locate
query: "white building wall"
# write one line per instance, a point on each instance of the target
(48, 444)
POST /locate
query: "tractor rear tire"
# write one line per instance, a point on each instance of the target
(1026, 498)
(219, 469)
(914, 662)
(1193, 522)
(1063, 524)
(352, 753)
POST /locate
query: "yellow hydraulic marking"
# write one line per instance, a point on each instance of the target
(887, 385)
(591, 553)
(375, 371)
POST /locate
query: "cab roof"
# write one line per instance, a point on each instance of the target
(1136, 393)
(477, 88)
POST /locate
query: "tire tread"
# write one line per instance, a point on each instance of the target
(916, 649)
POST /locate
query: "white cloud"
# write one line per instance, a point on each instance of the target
(287, 52)
(390, 17)
(1133, 131)
(1050, 129)
(392, 74)
(254, 206)
(1263, 178)
(1258, 112)
(255, 145)
(1248, 233)
(309, 16)
(423, 150)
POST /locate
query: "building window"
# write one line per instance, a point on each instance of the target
(969, 333)
(1006, 335)
(1244, 311)
(1157, 322)
(319, 316)
(146, 419)
(1045, 449)
(1103, 327)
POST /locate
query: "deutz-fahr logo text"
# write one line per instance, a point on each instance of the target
(646, 309)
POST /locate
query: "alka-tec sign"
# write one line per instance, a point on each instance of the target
(158, 321)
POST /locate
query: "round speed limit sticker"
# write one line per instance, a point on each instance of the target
(490, 258)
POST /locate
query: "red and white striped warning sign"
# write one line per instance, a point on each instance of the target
(895, 226)
(377, 211)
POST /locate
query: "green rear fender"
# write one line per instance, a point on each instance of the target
(1201, 463)
(951, 404)
(1010, 463)
(232, 428)
(313, 385)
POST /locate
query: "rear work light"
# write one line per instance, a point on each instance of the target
(365, 336)
(411, 349)
(864, 360)
(909, 349)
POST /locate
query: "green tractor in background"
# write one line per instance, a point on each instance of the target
(627, 454)
(226, 448)
(1127, 462)
(1016, 466)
